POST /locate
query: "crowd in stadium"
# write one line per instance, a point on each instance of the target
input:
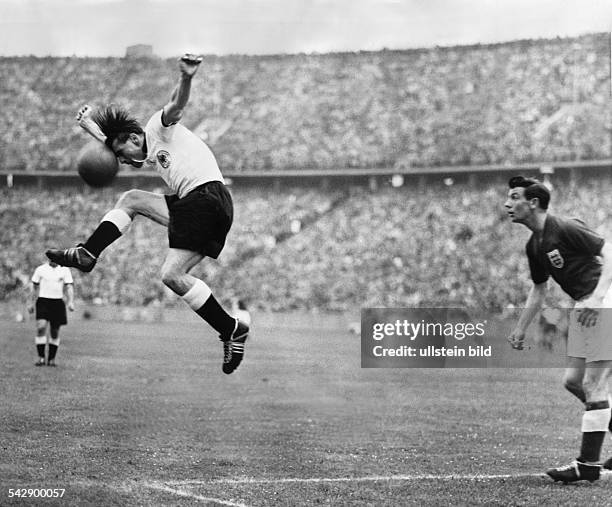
(514, 102)
(315, 249)
(308, 249)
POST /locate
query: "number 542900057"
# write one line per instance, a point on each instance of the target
(36, 492)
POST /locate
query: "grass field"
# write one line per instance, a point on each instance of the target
(140, 414)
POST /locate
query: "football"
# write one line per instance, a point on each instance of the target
(97, 164)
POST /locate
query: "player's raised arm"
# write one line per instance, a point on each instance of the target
(173, 110)
(85, 120)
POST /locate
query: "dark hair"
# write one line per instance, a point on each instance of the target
(533, 189)
(116, 123)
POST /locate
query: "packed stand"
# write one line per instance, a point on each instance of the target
(308, 249)
(525, 101)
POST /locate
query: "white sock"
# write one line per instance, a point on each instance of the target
(119, 218)
(197, 295)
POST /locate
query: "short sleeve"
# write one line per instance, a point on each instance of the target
(539, 273)
(36, 276)
(157, 129)
(67, 276)
(582, 239)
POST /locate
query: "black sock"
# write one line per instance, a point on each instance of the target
(592, 441)
(52, 351)
(591, 446)
(217, 317)
(41, 351)
(104, 235)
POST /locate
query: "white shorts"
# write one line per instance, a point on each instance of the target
(591, 343)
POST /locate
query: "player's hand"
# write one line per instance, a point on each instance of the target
(588, 311)
(84, 114)
(71, 307)
(587, 317)
(85, 120)
(30, 308)
(189, 64)
(517, 340)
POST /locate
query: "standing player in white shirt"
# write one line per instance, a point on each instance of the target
(49, 281)
(198, 215)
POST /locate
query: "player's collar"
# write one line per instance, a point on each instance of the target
(547, 221)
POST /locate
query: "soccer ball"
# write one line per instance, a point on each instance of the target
(97, 164)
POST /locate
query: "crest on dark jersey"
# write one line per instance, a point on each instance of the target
(555, 258)
(164, 158)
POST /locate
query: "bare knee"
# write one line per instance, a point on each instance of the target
(572, 384)
(170, 277)
(130, 201)
(175, 279)
(572, 379)
(140, 202)
(595, 387)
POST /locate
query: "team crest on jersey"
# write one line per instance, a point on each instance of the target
(555, 258)
(164, 158)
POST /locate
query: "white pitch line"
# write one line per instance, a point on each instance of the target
(187, 494)
(372, 478)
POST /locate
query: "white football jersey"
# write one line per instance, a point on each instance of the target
(182, 159)
(51, 280)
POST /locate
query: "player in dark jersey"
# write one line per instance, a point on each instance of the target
(580, 261)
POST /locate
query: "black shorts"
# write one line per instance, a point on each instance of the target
(53, 310)
(200, 221)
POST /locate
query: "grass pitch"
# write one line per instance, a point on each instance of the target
(141, 414)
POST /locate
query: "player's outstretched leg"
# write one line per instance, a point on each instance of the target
(575, 471)
(85, 255)
(77, 257)
(112, 226)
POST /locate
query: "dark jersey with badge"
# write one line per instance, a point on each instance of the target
(568, 251)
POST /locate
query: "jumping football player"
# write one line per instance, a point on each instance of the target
(49, 282)
(198, 215)
(580, 261)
